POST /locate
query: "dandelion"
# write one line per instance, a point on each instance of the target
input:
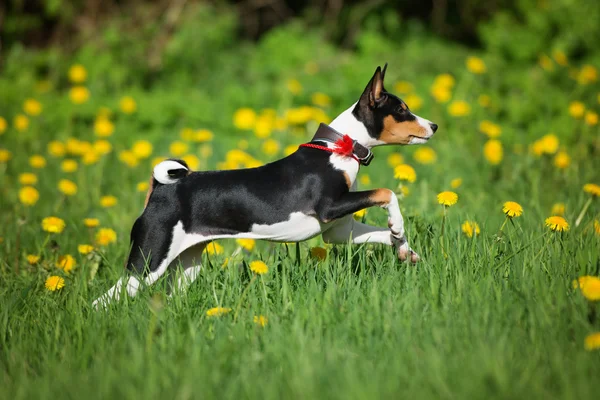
(291, 149)
(364, 179)
(142, 186)
(597, 227)
(558, 209)
(512, 209)
(576, 109)
(546, 62)
(33, 259)
(3, 125)
(394, 160)
(77, 73)
(106, 236)
(360, 214)
(592, 342)
(32, 107)
(192, 161)
(5, 155)
(79, 94)
(247, 244)
(405, 172)
(218, 311)
(444, 80)
(264, 126)
(108, 201)
(21, 122)
(455, 183)
(103, 127)
(318, 253)
(128, 158)
(470, 228)
(127, 105)
(447, 198)
(27, 178)
(54, 283)
(459, 108)
(484, 100)
(441, 94)
(91, 222)
(214, 248)
(562, 160)
(425, 155)
(28, 195)
(259, 267)
(85, 248)
(67, 187)
(178, 148)
(490, 129)
(260, 320)
(493, 152)
(37, 161)
(270, 147)
(142, 149)
(69, 166)
(591, 118)
(294, 86)
(476, 65)
(244, 118)
(403, 87)
(587, 74)
(557, 223)
(591, 288)
(66, 263)
(560, 57)
(413, 101)
(53, 224)
(320, 99)
(592, 189)
(102, 146)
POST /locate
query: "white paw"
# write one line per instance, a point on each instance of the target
(404, 252)
(397, 229)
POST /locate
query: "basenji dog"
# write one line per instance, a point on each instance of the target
(307, 193)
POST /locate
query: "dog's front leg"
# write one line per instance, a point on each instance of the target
(346, 228)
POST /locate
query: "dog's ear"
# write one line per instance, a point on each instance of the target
(373, 93)
(383, 74)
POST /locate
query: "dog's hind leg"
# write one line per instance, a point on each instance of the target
(190, 262)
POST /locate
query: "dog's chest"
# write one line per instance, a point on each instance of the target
(347, 165)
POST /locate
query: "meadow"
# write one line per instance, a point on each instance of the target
(503, 206)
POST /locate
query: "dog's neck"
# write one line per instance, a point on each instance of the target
(347, 124)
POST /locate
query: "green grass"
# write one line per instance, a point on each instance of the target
(490, 317)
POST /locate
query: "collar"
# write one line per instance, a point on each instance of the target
(361, 153)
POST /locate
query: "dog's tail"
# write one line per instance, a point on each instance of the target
(170, 171)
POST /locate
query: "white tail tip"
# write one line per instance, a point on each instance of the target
(170, 171)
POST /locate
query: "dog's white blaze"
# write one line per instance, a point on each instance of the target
(426, 124)
(347, 124)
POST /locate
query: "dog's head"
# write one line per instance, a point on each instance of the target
(387, 118)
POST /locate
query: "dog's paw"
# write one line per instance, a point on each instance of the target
(397, 230)
(406, 253)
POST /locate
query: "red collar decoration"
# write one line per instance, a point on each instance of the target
(344, 145)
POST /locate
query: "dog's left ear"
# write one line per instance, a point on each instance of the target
(373, 93)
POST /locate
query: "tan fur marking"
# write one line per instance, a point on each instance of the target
(382, 196)
(348, 181)
(149, 192)
(400, 132)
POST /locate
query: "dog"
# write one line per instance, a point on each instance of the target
(307, 193)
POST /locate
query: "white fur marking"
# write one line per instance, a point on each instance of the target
(161, 171)
(347, 124)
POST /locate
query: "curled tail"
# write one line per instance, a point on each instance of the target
(170, 171)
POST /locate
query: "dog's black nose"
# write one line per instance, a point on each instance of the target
(433, 127)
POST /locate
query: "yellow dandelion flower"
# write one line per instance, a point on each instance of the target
(21, 122)
(203, 135)
(244, 118)
(493, 152)
(27, 178)
(178, 148)
(261, 320)
(37, 161)
(67, 187)
(5, 155)
(364, 179)
(127, 105)
(470, 228)
(66, 263)
(592, 189)
(484, 100)
(405, 172)
(291, 149)
(512, 209)
(102, 146)
(459, 108)
(217, 311)
(441, 94)
(591, 118)
(192, 161)
(320, 99)
(85, 248)
(597, 226)
(558, 209)
(270, 147)
(77, 73)
(142, 186)
(394, 160)
(79, 94)
(69, 166)
(294, 86)
(447, 198)
(576, 109)
(91, 222)
(129, 158)
(403, 87)
(247, 244)
(360, 214)
(588, 74)
(33, 259)
(108, 201)
(580, 282)
(105, 236)
(557, 223)
(476, 65)
(32, 107)
(413, 101)
(560, 57)
(444, 80)
(3, 125)
(264, 126)
(28, 195)
(103, 127)
(259, 267)
(562, 160)
(592, 342)
(53, 224)
(590, 288)
(425, 155)
(318, 253)
(54, 283)
(214, 248)
(142, 149)
(546, 63)
(90, 157)
(455, 183)
(491, 129)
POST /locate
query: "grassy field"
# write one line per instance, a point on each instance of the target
(489, 313)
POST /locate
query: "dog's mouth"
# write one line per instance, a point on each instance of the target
(425, 138)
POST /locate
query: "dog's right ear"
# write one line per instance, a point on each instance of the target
(373, 93)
